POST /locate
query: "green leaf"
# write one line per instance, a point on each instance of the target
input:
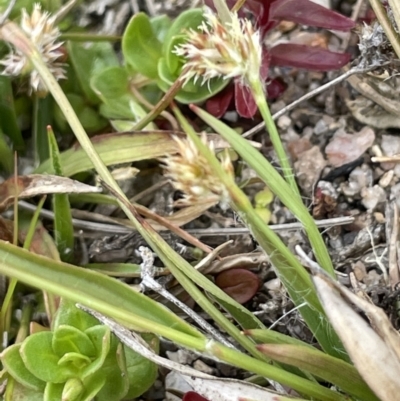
(116, 386)
(243, 316)
(140, 46)
(63, 228)
(290, 271)
(15, 366)
(68, 314)
(118, 109)
(42, 118)
(6, 154)
(274, 337)
(100, 337)
(53, 392)
(161, 25)
(110, 83)
(8, 121)
(327, 367)
(142, 372)
(74, 361)
(46, 367)
(115, 148)
(73, 390)
(93, 384)
(189, 19)
(70, 339)
(103, 293)
(88, 59)
(191, 92)
(116, 269)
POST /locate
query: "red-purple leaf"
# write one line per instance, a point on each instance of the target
(307, 57)
(244, 101)
(275, 88)
(309, 13)
(192, 396)
(240, 284)
(219, 103)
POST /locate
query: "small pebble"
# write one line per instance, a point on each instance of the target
(372, 197)
(386, 179)
(321, 127)
(202, 367)
(284, 122)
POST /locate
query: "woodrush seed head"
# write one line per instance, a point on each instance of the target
(39, 27)
(191, 173)
(228, 51)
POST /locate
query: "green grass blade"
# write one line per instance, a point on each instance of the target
(328, 368)
(63, 228)
(288, 268)
(116, 148)
(107, 295)
(275, 183)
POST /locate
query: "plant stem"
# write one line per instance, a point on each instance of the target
(246, 362)
(262, 105)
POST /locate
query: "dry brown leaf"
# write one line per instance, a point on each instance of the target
(374, 355)
(28, 186)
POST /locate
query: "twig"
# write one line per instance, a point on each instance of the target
(148, 282)
(115, 229)
(137, 344)
(308, 262)
(291, 106)
(392, 224)
(141, 99)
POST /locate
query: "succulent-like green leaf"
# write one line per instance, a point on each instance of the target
(100, 337)
(73, 390)
(53, 391)
(74, 361)
(70, 339)
(161, 25)
(89, 58)
(189, 19)
(46, 367)
(140, 46)
(15, 366)
(110, 83)
(68, 314)
(142, 372)
(114, 368)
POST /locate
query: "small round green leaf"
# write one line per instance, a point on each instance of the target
(110, 83)
(68, 314)
(74, 361)
(53, 392)
(40, 359)
(70, 339)
(142, 372)
(116, 386)
(100, 337)
(140, 46)
(15, 366)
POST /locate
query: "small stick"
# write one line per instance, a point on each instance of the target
(115, 229)
(317, 91)
(148, 271)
